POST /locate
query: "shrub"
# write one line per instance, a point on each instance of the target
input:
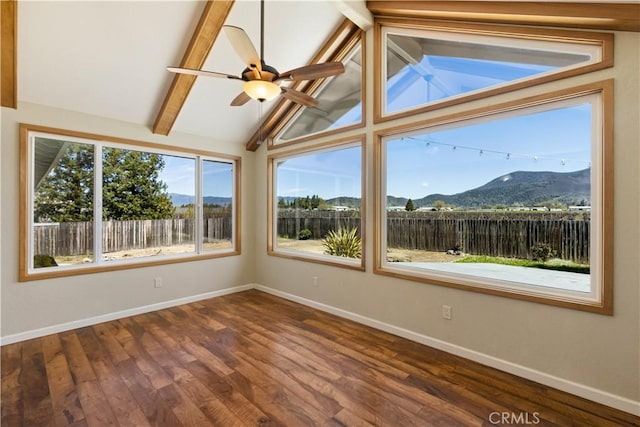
(40, 261)
(542, 252)
(304, 234)
(343, 242)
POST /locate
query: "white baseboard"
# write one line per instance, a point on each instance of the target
(590, 393)
(54, 329)
(574, 388)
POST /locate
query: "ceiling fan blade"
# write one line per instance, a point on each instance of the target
(314, 71)
(243, 46)
(241, 99)
(204, 73)
(298, 97)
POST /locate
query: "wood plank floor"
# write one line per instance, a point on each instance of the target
(252, 359)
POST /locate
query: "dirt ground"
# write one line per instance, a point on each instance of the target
(314, 246)
(140, 253)
(393, 254)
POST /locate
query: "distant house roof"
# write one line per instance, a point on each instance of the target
(47, 153)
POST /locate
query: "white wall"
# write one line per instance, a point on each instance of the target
(599, 353)
(33, 305)
(595, 351)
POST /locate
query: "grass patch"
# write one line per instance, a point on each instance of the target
(553, 264)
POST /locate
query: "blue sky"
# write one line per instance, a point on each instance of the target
(327, 174)
(455, 160)
(179, 174)
(557, 140)
(445, 161)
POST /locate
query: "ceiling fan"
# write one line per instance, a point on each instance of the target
(262, 81)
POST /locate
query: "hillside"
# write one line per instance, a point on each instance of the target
(526, 188)
(183, 199)
(519, 187)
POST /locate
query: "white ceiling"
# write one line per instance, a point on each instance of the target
(109, 58)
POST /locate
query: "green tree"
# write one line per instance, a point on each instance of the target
(66, 193)
(131, 186)
(317, 202)
(439, 204)
(409, 206)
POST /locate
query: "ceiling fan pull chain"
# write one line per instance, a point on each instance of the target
(260, 123)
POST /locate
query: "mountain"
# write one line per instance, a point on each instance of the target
(183, 199)
(526, 188)
(519, 187)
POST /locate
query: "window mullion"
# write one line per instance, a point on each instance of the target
(97, 203)
(198, 220)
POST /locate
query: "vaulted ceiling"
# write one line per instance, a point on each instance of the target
(109, 58)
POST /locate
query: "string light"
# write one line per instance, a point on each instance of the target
(482, 151)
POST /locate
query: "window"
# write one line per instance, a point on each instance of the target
(340, 98)
(316, 204)
(339, 103)
(95, 203)
(424, 67)
(514, 199)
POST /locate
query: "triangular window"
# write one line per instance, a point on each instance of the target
(437, 67)
(340, 103)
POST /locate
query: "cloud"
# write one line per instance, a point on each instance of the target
(424, 184)
(295, 191)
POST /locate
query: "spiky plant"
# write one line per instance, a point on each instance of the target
(343, 242)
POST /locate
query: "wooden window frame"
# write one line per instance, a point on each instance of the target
(343, 52)
(272, 159)
(604, 40)
(342, 36)
(26, 196)
(602, 231)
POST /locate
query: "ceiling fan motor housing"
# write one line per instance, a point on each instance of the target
(268, 73)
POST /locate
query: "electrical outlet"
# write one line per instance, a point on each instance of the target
(314, 281)
(157, 282)
(446, 312)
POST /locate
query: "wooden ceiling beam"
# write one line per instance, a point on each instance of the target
(8, 53)
(211, 21)
(600, 16)
(356, 11)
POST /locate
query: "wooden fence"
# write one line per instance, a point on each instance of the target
(319, 223)
(505, 235)
(76, 238)
(510, 238)
(493, 235)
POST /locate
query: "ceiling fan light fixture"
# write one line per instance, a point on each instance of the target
(261, 90)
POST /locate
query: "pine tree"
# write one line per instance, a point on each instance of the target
(66, 193)
(131, 187)
(409, 206)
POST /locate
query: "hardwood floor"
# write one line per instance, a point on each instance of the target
(255, 359)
